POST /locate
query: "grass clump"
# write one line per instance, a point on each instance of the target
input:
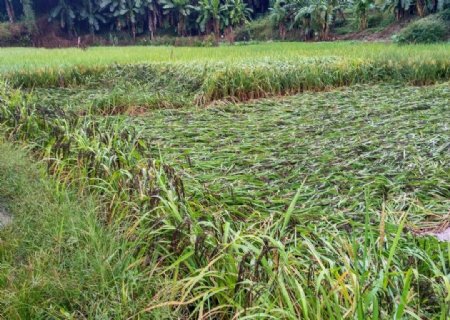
(57, 260)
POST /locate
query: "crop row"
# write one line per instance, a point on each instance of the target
(206, 83)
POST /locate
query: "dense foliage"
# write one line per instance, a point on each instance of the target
(423, 31)
(203, 17)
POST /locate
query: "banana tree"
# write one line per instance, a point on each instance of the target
(361, 9)
(279, 15)
(132, 9)
(65, 13)
(153, 15)
(212, 13)
(237, 13)
(91, 12)
(181, 9)
(28, 13)
(424, 7)
(398, 7)
(303, 15)
(320, 13)
(125, 12)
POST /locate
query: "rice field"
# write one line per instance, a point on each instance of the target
(278, 181)
(340, 143)
(14, 59)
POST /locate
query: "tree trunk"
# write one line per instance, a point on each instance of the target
(151, 25)
(325, 31)
(400, 12)
(230, 34)
(209, 28)
(217, 28)
(420, 5)
(282, 29)
(132, 24)
(363, 23)
(434, 7)
(10, 11)
(180, 26)
(308, 33)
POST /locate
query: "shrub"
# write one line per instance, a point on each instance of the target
(5, 34)
(423, 31)
(197, 41)
(261, 29)
(375, 20)
(14, 35)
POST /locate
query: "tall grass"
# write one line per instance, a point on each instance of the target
(58, 260)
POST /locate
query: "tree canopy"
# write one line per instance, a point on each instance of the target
(202, 17)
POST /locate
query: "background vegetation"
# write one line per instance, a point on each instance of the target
(424, 31)
(151, 21)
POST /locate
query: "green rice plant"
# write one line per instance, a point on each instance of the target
(246, 82)
(101, 156)
(301, 207)
(332, 258)
(17, 59)
(230, 73)
(48, 77)
(162, 85)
